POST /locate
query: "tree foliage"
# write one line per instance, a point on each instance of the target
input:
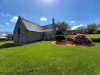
(62, 27)
(91, 28)
(98, 25)
(81, 30)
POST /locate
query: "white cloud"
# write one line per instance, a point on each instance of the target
(7, 23)
(72, 22)
(43, 19)
(14, 19)
(5, 15)
(75, 27)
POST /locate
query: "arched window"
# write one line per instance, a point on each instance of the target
(18, 31)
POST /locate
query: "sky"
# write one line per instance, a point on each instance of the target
(75, 12)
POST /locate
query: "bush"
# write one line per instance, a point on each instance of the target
(82, 39)
(65, 33)
(59, 38)
(95, 39)
(69, 38)
(59, 32)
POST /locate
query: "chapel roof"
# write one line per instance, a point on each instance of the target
(31, 26)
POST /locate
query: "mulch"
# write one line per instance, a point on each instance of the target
(68, 43)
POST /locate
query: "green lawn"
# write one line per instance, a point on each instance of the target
(43, 58)
(92, 35)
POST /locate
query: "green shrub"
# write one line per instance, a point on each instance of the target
(96, 40)
(59, 38)
(65, 33)
(59, 32)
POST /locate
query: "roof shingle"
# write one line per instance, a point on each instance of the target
(31, 26)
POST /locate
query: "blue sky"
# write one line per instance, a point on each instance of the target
(75, 12)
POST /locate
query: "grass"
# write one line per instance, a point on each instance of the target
(43, 58)
(92, 35)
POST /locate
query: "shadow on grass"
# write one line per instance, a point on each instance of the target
(9, 45)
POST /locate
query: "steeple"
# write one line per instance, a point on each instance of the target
(54, 27)
(53, 21)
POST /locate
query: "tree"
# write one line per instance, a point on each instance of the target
(81, 30)
(91, 28)
(98, 25)
(98, 28)
(62, 27)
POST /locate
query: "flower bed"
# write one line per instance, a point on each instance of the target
(69, 38)
(78, 40)
(69, 43)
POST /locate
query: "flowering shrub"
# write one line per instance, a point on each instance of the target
(82, 39)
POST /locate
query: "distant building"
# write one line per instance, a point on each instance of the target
(27, 32)
(3, 35)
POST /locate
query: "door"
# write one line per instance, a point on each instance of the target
(18, 35)
(44, 36)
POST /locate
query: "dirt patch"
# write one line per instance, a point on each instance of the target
(68, 43)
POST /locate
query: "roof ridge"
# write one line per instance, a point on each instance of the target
(31, 26)
(29, 21)
(47, 25)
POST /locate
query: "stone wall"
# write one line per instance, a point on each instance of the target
(22, 35)
(34, 36)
